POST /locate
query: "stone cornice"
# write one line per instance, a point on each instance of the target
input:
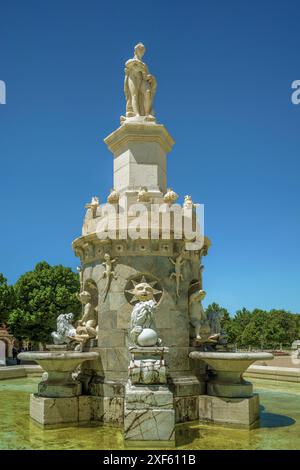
(133, 132)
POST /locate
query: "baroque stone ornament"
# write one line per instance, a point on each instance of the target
(177, 274)
(170, 197)
(139, 86)
(65, 331)
(147, 365)
(113, 197)
(188, 203)
(143, 195)
(93, 205)
(109, 273)
(142, 327)
(130, 292)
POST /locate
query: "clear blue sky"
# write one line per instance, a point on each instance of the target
(224, 72)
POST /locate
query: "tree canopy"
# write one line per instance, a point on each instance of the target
(7, 299)
(260, 328)
(40, 296)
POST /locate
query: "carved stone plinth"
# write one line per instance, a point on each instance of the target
(147, 365)
(63, 411)
(238, 412)
(149, 413)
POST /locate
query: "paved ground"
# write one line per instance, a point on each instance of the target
(281, 361)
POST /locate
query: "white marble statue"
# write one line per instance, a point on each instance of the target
(87, 326)
(139, 86)
(201, 329)
(143, 330)
(65, 330)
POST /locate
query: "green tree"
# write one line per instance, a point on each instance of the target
(42, 295)
(238, 324)
(7, 299)
(255, 331)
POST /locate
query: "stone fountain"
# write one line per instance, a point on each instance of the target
(144, 340)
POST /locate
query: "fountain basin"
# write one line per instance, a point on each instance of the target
(228, 368)
(59, 367)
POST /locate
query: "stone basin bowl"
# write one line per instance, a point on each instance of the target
(59, 367)
(228, 369)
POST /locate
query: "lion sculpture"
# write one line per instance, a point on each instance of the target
(65, 329)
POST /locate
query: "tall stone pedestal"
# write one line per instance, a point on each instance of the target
(149, 410)
(149, 413)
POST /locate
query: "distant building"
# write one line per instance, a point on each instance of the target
(6, 345)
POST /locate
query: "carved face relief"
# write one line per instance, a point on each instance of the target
(143, 288)
(143, 292)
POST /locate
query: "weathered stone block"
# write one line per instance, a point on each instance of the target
(178, 359)
(124, 316)
(116, 375)
(57, 390)
(178, 336)
(149, 425)
(186, 386)
(108, 319)
(117, 359)
(108, 410)
(236, 411)
(186, 408)
(106, 388)
(84, 409)
(111, 338)
(117, 299)
(148, 397)
(54, 411)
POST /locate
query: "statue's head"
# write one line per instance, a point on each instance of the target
(139, 50)
(143, 291)
(69, 317)
(107, 257)
(197, 296)
(84, 297)
(64, 320)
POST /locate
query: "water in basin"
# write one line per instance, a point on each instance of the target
(279, 426)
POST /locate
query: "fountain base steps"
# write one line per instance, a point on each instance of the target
(239, 412)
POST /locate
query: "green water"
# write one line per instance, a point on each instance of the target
(279, 424)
